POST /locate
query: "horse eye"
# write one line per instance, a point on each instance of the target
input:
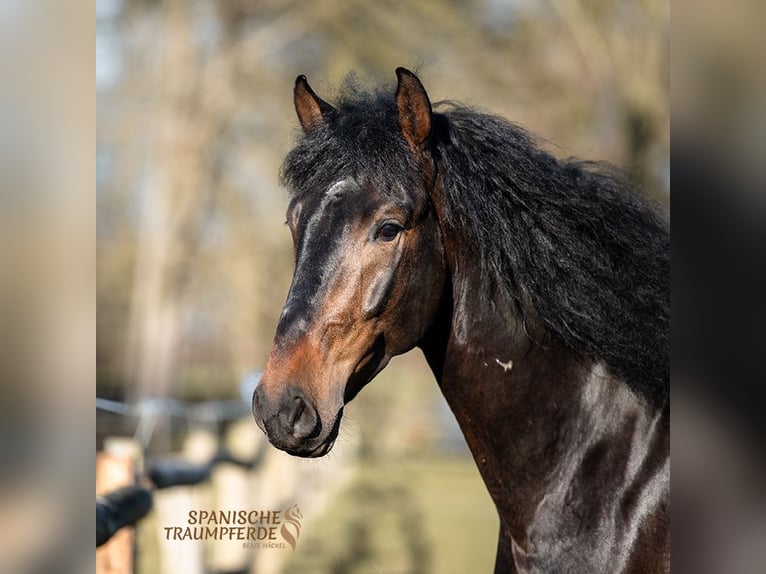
(388, 231)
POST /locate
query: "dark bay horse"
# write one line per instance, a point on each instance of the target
(537, 289)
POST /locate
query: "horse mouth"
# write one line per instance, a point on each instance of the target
(368, 366)
(319, 450)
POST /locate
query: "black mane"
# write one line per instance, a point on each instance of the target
(568, 241)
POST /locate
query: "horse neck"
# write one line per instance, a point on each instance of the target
(539, 419)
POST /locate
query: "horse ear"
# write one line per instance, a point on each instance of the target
(311, 109)
(414, 108)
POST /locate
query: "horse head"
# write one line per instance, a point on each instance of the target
(369, 262)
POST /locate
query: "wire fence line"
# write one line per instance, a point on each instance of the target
(149, 409)
(207, 411)
(202, 411)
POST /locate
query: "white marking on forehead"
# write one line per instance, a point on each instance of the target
(337, 188)
(333, 192)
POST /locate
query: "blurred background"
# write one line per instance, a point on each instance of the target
(194, 116)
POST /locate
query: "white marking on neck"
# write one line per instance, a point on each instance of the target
(506, 366)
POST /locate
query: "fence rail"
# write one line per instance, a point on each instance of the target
(122, 507)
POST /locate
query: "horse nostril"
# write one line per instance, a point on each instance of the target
(294, 414)
(299, 418)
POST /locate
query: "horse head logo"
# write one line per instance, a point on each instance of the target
(291, 525)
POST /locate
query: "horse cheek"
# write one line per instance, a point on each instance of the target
(377, 293)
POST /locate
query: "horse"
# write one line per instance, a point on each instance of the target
(536, 288)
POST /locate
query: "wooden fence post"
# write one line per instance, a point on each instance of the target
(116, 466)
(231, 491)
(172, 506)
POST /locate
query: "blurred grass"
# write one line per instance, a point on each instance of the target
(413, 515)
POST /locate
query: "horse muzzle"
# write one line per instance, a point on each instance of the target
(293, 424)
